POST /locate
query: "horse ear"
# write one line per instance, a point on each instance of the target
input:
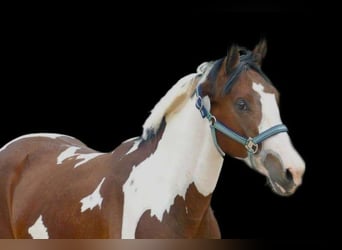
(260, 51)
(233, 58)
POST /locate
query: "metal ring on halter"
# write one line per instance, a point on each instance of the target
(212, 120)
(251, 146)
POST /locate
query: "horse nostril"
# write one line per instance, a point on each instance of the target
(288, 175)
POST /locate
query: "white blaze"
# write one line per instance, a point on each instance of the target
(92, 200)
(269, 108)
(38, 230)
(280, 143)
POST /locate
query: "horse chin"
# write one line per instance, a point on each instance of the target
(279, 190)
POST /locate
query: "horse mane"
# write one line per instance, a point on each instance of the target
(169, 103)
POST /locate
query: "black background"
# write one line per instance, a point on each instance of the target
(95, 72)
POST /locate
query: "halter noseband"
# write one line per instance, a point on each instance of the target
(251, 144)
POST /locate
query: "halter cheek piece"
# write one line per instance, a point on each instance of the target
(251, 144)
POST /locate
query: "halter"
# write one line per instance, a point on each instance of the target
(250, 143)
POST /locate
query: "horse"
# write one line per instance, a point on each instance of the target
(159, 184)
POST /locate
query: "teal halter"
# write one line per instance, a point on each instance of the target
(251, 144)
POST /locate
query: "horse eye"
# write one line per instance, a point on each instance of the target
(241, 105)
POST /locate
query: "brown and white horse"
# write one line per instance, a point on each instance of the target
(160, 184)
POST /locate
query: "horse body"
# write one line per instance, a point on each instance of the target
(57, 187)
(53, 189)
(158, 185)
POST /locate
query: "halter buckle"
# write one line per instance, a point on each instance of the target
(251, 146)
(199, 103)
(200, 107)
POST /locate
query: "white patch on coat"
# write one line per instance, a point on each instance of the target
(86, 157)
(280, 143)
(94, 199)
(134, 147)
(38, 230)
(185, 154)
(47, 135)
(158, 112)
(202, 68)
(130, 139)
(71, 152)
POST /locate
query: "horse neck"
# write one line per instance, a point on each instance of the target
(189, 154)
(185, 166)
(191, 149)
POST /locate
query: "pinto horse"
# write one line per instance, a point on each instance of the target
(160, 184)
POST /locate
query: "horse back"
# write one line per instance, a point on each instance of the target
(59, 188)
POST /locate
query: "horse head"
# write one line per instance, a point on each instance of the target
(243, 107)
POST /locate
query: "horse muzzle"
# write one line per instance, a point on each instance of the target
(283, 179)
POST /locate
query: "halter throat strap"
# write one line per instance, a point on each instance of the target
(251, 143)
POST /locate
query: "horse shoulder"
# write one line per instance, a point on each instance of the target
(209, 228)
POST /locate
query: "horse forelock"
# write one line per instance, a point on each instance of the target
(213, 69)
(169, 103)
(247, 60)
